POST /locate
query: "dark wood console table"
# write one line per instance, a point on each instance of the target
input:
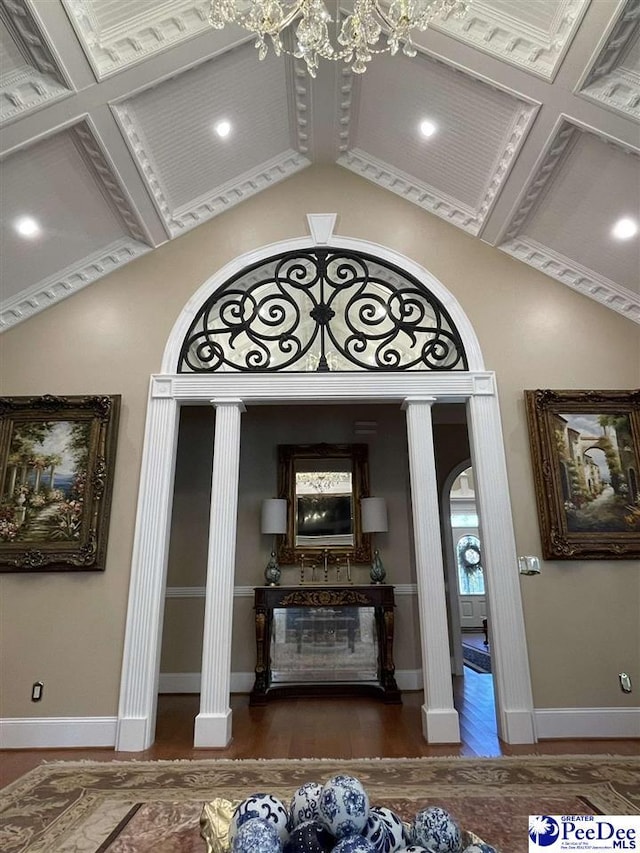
(325, 612)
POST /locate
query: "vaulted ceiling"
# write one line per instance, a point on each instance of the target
(108, 111)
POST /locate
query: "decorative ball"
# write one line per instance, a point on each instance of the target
(344, 806)
(399, 836)
(375, 830)
(309, 837)
(478, 847)
(435, 830)
(264, 806)
(256, 836)
(305, 803)
(354, 844)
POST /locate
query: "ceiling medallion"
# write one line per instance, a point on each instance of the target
(359, 37)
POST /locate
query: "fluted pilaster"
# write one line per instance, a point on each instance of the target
(440, 719)
(136, 715)
(213, 723)
(510, 662)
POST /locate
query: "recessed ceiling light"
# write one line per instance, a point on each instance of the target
(26, 226)
(625, 228)
(427, 128)
(223, 128)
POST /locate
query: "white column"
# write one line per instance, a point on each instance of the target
(213, 723)
(439, 718)
(143, 633)
(509, 659)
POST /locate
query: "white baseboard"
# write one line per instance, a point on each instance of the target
(554, 723)
(52, 732)
(49, 732)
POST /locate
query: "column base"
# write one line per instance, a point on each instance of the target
(212, 730)
(133, 735)
(517, 727)
(440, 725)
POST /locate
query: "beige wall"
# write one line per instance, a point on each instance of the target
(67, 630)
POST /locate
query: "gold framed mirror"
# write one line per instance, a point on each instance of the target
(323, 485)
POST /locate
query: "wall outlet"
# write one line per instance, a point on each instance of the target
(625, 682)
(36, 691)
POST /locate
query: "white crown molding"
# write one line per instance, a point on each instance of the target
(299, 88)
(57, 287)
(404, 185)
(38, 85)
(94, 154)
(240, 188)
(618, 91)
(558, 147)
(468, 219)
(606, 81)
(346, 107)
(137, 37)
(579, 278)
(199, 210)
(509, 39)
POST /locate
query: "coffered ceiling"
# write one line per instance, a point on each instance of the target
(109, 108)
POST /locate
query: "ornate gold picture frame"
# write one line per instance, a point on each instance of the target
(57, 456)
(585, 448)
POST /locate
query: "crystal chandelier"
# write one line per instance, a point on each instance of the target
(359, 37)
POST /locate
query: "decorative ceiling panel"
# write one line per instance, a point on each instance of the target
(108, 109)
(30, 74)
(458, 168)
(116, 34)
(171, 130)
(585, 185)
(75, 243)
(614, 78)
(532, 35)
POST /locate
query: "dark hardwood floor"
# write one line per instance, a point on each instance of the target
(325, 728)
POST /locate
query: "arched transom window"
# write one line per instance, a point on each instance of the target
(322, 309)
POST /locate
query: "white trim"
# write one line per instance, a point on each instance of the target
(54, 732)
(587, 722)
(141, 659)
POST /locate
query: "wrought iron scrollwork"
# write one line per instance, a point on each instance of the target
(322, 309)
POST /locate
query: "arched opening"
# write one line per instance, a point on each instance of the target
(405, 386)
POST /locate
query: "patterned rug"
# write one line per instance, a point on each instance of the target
(140, 807)
(475, 658)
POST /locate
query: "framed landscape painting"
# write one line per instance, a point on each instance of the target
(585, 448)
(57, 457)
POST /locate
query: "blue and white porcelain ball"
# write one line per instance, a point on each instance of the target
(264, 806)
(375, 830)
(478, 847)
(344, 806)
(354, 844)
(256, 835)
(305, 803)
(399, 837)
(436, 831)
(311, 836)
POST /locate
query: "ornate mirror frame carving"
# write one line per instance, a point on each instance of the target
(288, 455)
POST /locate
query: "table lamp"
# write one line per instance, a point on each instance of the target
(374, 520)
(273, 521)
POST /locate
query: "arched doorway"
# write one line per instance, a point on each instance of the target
(416, 391)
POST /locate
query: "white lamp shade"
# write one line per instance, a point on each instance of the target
(274, 516)
(374, 515)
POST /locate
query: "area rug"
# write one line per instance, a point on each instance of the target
(475, 658)
(139, 807)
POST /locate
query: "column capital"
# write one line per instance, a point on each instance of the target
(413, 401)
(219, 402)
